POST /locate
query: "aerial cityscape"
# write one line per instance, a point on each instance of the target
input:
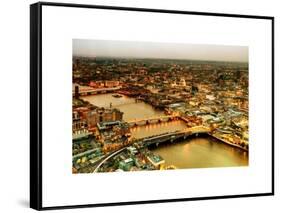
(148, 108)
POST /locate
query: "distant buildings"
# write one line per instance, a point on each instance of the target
(101, 84)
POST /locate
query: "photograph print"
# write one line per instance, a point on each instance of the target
(144, 106)
(166, 106)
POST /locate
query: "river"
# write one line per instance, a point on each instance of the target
(199, 152)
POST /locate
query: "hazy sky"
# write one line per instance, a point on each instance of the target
(132, 49)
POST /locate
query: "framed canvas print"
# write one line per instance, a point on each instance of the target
(133, 105)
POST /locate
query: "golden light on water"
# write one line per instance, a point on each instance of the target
(191, 153)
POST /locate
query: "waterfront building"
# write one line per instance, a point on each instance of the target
(111, 83)
(156, 160)
(103, 115)
(113, 130)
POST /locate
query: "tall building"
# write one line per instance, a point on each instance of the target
(76, 94)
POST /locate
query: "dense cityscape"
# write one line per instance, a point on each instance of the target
(205, 98)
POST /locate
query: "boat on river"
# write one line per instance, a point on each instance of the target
(117, 96)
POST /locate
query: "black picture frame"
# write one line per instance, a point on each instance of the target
(36, 103)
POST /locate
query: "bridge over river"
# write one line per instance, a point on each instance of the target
(153, 120)
(172, 136)
(156, 139)
(84, 91)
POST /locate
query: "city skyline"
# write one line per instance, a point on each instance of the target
(158, 50)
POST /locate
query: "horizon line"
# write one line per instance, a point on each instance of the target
(141, 58)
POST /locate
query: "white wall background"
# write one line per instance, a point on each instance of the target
(14, 105)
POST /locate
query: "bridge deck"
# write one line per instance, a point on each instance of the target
(152, 118)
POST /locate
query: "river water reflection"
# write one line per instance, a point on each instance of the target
(131, 108)
(200, 152)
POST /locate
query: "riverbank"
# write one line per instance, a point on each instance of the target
(229, 143)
